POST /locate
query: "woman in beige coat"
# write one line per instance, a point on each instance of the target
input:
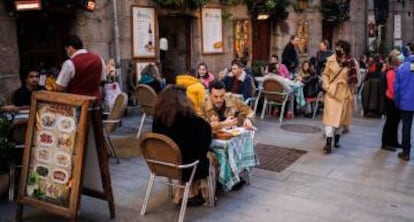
(338, 80)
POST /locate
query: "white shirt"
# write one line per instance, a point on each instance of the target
(67, 72)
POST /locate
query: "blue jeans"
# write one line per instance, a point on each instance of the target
(407, 120)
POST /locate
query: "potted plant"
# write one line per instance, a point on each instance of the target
(6, 152)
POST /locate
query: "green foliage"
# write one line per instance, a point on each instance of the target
(182, 3)
(257, 66)
(335, 11)
(276, 8)
(33, 178)
(5, 127)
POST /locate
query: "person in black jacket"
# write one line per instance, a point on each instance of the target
(22, 96)
(175, 117)
(290, 55)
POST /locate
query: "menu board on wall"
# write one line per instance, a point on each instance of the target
(54, 152)
(143, 32)
(212, 30)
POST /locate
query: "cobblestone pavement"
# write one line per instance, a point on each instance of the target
(358, 182)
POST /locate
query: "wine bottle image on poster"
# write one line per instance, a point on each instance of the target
(143, 32)
(212, 30)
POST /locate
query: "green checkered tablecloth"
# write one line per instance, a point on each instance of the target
(234, 156)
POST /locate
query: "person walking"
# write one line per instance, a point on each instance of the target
(338, 80)
(83, 72)
(403, 98)
(390, 130)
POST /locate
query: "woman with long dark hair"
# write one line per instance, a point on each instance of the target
(205, 76)
(175, 117)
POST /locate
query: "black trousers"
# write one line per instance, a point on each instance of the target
(390, 130)
(407, 120)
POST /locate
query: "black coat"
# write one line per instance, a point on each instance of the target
(193, 137)
(290, 57)
(311, 86)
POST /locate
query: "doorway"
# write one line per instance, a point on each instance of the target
(40, 39)
(261, 40)
(177, 30)
(327, 32)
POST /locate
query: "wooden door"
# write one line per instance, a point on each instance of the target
(327, 32)
(261, 40)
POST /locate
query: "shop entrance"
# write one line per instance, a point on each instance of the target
(177, 59)
(261, 40)
(40, 38)
(327, 32)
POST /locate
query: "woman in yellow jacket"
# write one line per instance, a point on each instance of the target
(195, 89)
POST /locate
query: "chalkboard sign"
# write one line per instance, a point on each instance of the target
(54, 153)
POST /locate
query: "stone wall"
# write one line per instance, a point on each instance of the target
(9, 55)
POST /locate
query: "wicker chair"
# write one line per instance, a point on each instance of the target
(146, 97)
(114, 118)
(274, 94)
(163, 158)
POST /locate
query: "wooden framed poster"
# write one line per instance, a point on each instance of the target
(211, 31)
(53, 158)
(241, 33)
(144, 26)
(303, 35)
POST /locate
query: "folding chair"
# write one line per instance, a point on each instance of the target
(114, 118)
(146, 97)
(274, 94)
(163, 158)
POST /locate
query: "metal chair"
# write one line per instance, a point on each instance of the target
(319, 99)
(163, 158)
(114, 118)
(18, 135)
(274, 94)
(146, 97)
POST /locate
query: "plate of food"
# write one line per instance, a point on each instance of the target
(43, 155)
(62, 159)
(66, 124)
(48, 120)
(234, 131)
(60, 176)
(65, 141)
(45, 138)
(53, 190)
(42, 171)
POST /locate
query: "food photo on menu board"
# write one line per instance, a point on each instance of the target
(52, 153)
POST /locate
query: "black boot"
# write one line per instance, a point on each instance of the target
(328, 145)
(336, 142)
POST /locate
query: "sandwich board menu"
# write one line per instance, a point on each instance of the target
(54, 155)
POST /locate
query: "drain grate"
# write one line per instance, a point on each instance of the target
(300, 128)
(276, 158)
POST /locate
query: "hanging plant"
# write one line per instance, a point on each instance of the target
(335, 11)
(275, 8)
(193, 4)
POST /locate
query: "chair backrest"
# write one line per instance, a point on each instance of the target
(117, 112)
(158, 147)
(146, 97)
(273, 91)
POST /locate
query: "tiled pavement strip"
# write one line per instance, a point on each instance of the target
(358, 182)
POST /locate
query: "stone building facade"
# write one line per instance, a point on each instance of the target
(184, 27)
